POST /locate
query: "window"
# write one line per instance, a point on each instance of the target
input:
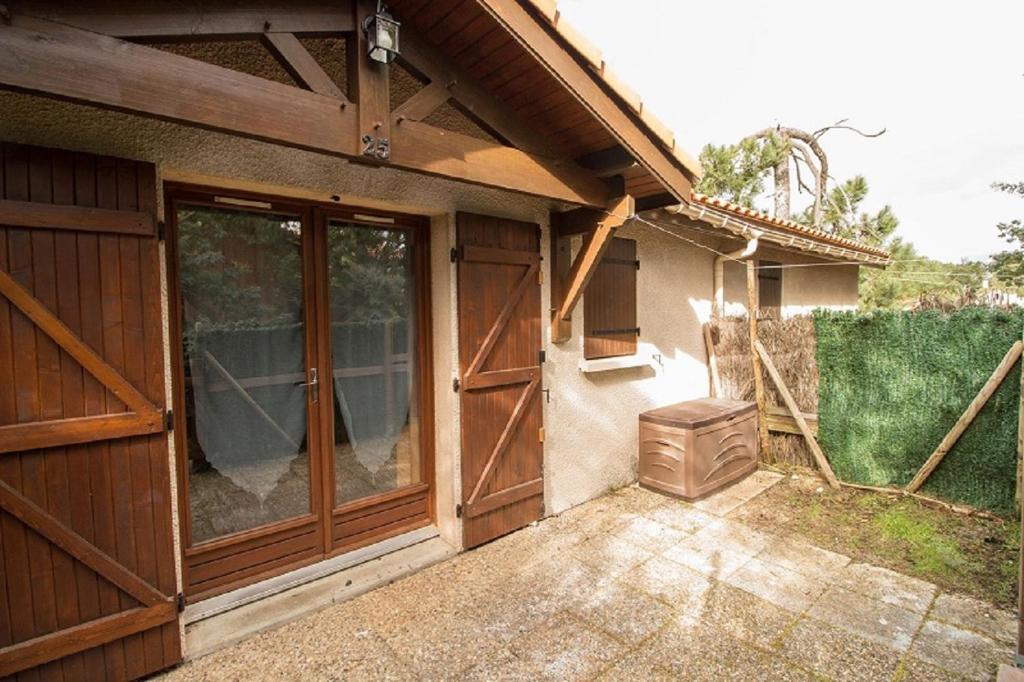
(609, 303)
(769, 288)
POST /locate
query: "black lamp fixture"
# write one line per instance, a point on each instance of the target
(382, 35)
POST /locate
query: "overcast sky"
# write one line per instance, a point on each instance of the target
(945, 79)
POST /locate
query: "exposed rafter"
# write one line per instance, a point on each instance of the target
(608, 162)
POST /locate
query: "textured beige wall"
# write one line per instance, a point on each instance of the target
(592, 417)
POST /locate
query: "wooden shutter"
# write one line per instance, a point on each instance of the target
(499, 361)
(609, 303)
(769, 288)
(87, 577)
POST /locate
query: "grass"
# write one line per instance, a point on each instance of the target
(971, 555)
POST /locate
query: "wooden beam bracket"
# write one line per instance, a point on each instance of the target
(568, 282)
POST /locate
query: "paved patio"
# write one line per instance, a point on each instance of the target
(637, 586)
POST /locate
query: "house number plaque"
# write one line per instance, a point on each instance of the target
(377, 147)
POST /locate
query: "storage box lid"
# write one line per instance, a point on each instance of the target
(694, 414)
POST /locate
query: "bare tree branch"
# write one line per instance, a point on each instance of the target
(841, 125)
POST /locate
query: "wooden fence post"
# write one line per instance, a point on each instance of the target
(1004, 367)
(787, 397)
(762, 418)
(710, 332)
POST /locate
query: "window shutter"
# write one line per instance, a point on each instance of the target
(769, 288)
(609, 303)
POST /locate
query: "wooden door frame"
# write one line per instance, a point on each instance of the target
(314, 215)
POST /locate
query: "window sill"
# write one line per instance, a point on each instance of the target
(620, 362)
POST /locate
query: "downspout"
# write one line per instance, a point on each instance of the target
(718, 302)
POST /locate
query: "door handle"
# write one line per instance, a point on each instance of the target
(313, 384)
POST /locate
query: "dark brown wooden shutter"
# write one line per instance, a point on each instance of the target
(87, 578)
(609, 303)
(499, 361)
(769, 288)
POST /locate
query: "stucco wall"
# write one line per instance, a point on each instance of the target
(812, 283)
(591, 419)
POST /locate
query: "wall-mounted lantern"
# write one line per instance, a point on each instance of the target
(382, 36)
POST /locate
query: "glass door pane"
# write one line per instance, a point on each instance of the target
(245, 363)
(373, 350)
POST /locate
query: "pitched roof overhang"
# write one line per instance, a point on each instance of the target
(745, 222)
(557, 83)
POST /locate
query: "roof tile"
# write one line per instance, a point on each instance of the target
(790, 225)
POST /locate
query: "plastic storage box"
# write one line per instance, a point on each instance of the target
(694, 448)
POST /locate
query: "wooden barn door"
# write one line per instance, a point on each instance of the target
(86, 555)
(499, 363)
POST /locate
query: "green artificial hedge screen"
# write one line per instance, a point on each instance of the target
(892, 384)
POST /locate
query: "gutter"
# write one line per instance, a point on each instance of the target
(718, 302)
(787, 240)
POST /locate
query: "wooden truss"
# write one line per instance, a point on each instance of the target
(85, 56)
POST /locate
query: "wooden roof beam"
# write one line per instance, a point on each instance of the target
(568, 283)
(60, 61)
(608, 162)
(167, 19)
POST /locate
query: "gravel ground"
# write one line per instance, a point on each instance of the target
(630, 586)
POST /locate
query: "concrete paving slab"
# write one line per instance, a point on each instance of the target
(888, 586)
(976, 615)
(612, 555)
(682, 589)
(916, 670)
(635, 667)
(564, 648)
(781, 586)
(753, 485)
(867, 618)
(803, 557)
(1009, 673)
(729, 534)
(708, 558)
(622, 611)
(703, 653)
(745, 617)
(720, 504)
(651, 535)
(837, 653)
(680, 515)
(966, 653)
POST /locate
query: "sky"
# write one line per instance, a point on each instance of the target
(946, 81)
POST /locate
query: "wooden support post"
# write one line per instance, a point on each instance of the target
(1019, 497)
(759, 396)
(710, 333)
(794, 409)
(369, 87)
(583, 268)
(1004, 367)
